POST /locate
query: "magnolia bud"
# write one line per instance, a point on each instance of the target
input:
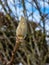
(21, 30)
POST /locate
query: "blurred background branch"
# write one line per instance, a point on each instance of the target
(35, 48)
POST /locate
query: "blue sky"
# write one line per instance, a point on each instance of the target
(28, 6)
(30, 9)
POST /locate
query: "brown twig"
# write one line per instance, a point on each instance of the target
(14, 52)
(3, 59)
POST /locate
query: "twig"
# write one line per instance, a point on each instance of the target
(3, 60)
(14, 52)
(35, 42)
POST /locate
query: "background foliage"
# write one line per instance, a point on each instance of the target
(35, 49)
